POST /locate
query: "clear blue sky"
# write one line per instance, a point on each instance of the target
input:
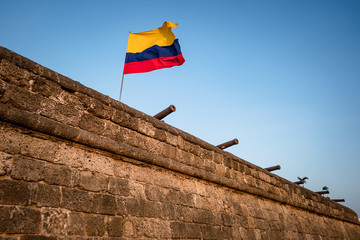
(281, 76)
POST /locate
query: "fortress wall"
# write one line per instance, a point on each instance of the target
(75, 163)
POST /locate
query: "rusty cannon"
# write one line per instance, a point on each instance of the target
(165, 112)
(323, 192)
(228, 144)
(277, 167)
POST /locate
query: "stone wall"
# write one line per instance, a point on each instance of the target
(75, 164)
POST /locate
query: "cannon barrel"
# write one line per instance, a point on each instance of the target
(228, 144)
(323, 192)
(165, 112)
(338, 200)
(277, 167)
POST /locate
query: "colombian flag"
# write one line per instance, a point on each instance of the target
(154, 49)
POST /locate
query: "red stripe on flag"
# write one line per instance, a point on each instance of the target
(153, 64)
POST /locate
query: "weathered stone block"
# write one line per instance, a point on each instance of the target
(178, 230)
(160, 135)
(94, 162)
(100, 110)
(227, 219)
(17, 220)
(150, 209)
(76, 200)
(114, 131)
(38, 148)
(54, 221)
(58, 174)
(21, 98)
(14, 74)
(36, 237)
(10, 139)
(61, 112)
(92, 124)
(205, 217)
(44, 87)
(154, 193)
(184, 214)
(119, 186)
(146, 128)
(92, 182)
(168, 211)
(5, 163)
(27, 169)
(120, 206)
(95, 225)
(132, 206)
(77, 224)
(14, 192)
(47, 196)
(103, 204)
(115, 226)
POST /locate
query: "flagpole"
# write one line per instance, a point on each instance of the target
(122, 79)
(122, 82)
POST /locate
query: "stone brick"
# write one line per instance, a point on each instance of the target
(95, 225)
(5, 163)
(121, 118)
(119, 186)
(178, 230)
(92, 124)
(21, 98)
(193, 231)
(168, 211)
(58, 174)
(92, 182)
(185, 214)
(114, 131)
(76, 200)
(172, 197)
(120, 206)
(9, 238)
(146, 128)
(17, 220)
(10, 139)
(47, 196)
(14, 74)
(14, 192)
(77, 224)
(204, 217)
(44, 87)
(36, 237)
(154, 193)
(70, 155)
(55, 221)
(94, 162)
(150, 209)
(61, 112)
(115, 226)
(103, 204)
(100, 110)
(27, 169)
(160, 135)
(227, 219)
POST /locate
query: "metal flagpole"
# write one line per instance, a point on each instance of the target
(122, 82)
(122, 79)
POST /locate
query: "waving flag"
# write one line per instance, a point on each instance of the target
(152, 50)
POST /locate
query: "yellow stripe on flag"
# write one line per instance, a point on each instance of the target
(162, 36)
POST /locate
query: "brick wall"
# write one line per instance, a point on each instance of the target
(75, 164)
